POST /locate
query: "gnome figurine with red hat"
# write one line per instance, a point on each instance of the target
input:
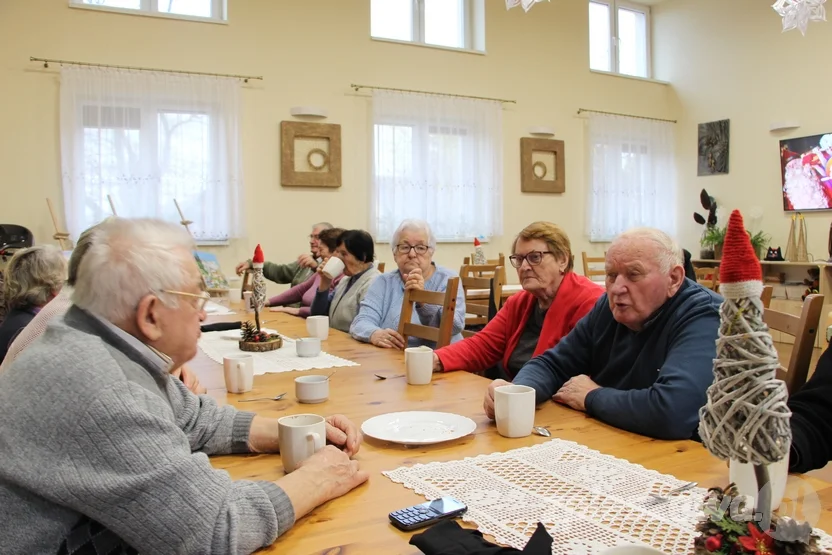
(746, 418)
(258, 284)
(479, 254)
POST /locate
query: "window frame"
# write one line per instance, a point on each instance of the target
(150, 8)
(614, 40)
(473, 30)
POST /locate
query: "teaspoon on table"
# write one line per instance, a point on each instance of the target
(275, 398)
(383, 377)
(680, 489)
(542, 431)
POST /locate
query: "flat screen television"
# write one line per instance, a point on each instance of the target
(806, 173)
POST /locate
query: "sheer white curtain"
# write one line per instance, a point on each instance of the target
(146, 139)
(632, 176)
(439, 159)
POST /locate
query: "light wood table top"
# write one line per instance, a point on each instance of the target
(357, 523)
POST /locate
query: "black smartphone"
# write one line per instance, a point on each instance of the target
(425, 514)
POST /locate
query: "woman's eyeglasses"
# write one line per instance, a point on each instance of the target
(201, 298)
(404, 248)
(533, 258)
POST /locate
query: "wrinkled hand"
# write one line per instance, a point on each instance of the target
(387, 339)
(242, 267)
(327, 474)
(341, 432)
(573, 393)
(294, 311)
(189, 378)
(325, 280)
(437, 364)
(488, 403)
(307, 261)
(415, 280)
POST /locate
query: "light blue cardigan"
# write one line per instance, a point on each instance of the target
(382, 307)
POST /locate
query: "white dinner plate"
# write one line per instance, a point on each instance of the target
(418, 427)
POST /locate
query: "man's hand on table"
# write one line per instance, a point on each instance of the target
(341, 432)
(488, 403)
(573, 393)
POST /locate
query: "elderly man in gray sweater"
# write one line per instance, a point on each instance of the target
(102, 451)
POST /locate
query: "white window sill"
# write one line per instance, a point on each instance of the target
(434, 46)
(611, 74)
(127, 11)
(212, 243)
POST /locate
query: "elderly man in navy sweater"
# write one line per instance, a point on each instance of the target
(642, 358)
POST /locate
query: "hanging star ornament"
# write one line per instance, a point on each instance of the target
(797, 14)
(527, 4)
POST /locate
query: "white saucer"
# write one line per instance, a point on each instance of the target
(418, 427)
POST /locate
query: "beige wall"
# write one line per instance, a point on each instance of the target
(730, 59)
(309, 52)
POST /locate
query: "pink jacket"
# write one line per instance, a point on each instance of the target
(303, 293)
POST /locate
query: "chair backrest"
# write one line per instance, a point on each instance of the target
(380, 267)
(447, 300)
(478, 313)
(591, 270)
(499, 261)
(804, 328)
(708, 277)
(768, 291)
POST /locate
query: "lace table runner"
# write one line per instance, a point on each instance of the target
(218, 344)
(588, 501)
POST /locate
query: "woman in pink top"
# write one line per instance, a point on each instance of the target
(304, 293)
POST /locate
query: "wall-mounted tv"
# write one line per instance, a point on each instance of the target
(806, 173)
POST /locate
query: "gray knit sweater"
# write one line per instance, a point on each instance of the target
(92, 427)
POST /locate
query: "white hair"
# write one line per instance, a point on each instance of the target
(420, 226)
(128, 259)
(668, 253)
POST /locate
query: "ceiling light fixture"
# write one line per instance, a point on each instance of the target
(527, 4)
(797, 14)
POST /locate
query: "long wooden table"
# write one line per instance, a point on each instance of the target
(357, 522)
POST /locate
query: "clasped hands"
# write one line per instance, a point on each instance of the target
(572, 393)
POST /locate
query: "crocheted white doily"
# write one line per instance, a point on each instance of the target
(218, 344)
(588, 501)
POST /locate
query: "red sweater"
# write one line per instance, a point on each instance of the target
(497, 340)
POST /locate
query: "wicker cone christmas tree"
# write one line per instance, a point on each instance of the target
(479, 254)
(253, 336)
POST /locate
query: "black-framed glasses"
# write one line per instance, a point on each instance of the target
(404, 248)
(201, 298)
(533, 258)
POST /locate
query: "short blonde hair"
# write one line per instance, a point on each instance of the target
(553, 235)
(33, 276)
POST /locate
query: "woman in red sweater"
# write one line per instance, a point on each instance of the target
(553, 299)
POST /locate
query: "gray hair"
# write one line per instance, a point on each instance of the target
(420, 226)
(33, 276)
(668, 253)
(128, 259)
(323, 225)
(81, 247)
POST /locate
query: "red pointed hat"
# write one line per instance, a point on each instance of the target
(740, 273)
(258, 256)
(476, 242)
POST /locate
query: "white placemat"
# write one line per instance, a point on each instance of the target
(218, 344)
(216, 309)
(588, 501)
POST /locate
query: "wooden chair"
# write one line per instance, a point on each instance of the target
(804, 328)
(594, 273)
(499, 261)
(478, 313)
(768, 291)
(247, 285)
(447, 300)
(380, 267)
(708, 277)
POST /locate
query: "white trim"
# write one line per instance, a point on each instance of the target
(625, 76)
(741, 289)
(145, 12)
(437, 46)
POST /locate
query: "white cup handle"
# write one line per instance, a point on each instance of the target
(317, 441)
(240, 367)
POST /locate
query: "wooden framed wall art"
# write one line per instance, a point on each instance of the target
(310, 154)
(542, 166)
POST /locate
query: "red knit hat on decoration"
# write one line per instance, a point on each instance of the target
(740, 273)
(258, 256)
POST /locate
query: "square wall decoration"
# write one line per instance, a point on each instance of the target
(542, 166)
(714, 139)
(310, 154)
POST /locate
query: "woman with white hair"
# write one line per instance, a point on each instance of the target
(33, 277)
(378, 318)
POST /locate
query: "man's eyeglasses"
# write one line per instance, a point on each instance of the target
(201, 298)
(314, 237)
(404, 248)
(533, 258)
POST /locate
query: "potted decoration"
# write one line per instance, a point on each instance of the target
(253, 338)
(709, 221)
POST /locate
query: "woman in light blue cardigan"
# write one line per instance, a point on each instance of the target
(378, 318)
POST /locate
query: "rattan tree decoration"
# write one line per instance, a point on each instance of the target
(254, 338)
(746, 417)
(258, 284)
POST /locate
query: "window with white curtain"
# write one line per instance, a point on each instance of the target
(619, 37)
(142, 140)
(211, 10)
(632, 176)
(438, 159)
(448, 23)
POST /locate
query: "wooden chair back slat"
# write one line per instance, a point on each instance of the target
(447, 300)
(804, 328)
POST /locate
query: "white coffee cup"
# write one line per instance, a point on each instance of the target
(631, 549)
(514, 410)
(248, 301)
(418, 363)
(333, 267)
(312, 389)
(318, 326)
(301, 435)
(742, 474)
(308, 346)
(239, 373)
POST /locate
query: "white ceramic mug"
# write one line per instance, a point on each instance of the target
(631, 549)
(742, 475)
(239, 373)
(308, 346)
(514, 410)
(301, 435)
(318, 326)
(333, 267)
(418, 363)
(312, 389)
(248, 302)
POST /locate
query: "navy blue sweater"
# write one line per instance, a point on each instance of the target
(653, 381)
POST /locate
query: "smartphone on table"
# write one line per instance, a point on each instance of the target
(425, 514)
